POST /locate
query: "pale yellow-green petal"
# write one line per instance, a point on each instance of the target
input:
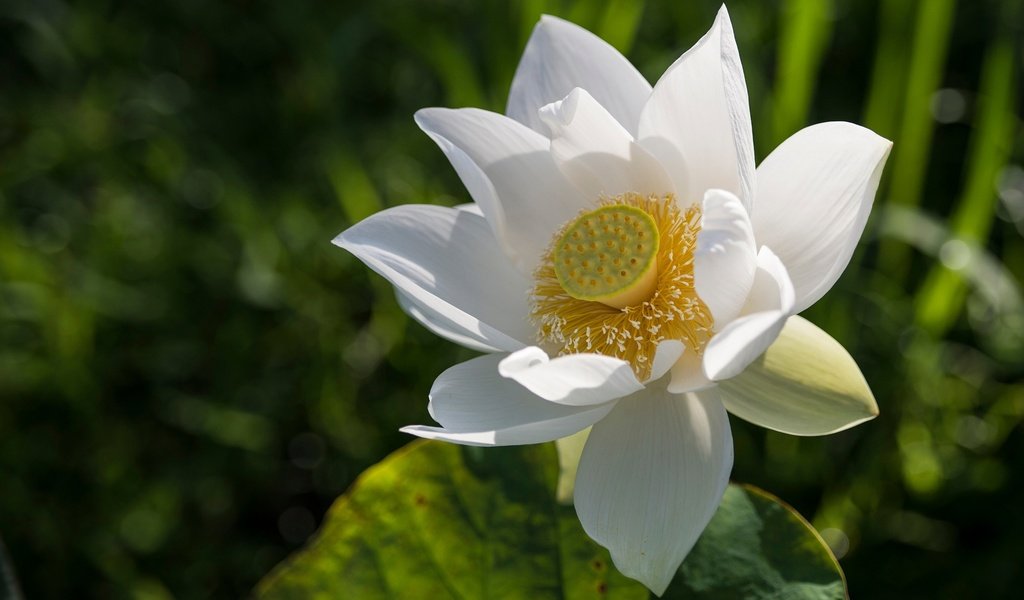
(569, 451)
(806, 383)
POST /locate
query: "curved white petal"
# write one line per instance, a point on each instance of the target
(651, 477)
(471, 208)
(476, 406)
(814, 193)
(725, 259)
(446, 264)
(697, 121)
(806, 383)
(666, 355)
(769, 305)
(573, 379)
(508, 170)
(561, 56)
(597, 154)
(440, 324)
(688, 374)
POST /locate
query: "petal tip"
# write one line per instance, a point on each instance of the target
(546, 19)
(872, 407)
(667, 354)
(723, 14)
(560, 114)
(522, 359)
(423, 115)
(657, 582)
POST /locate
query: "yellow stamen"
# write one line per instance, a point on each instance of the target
(627, 317)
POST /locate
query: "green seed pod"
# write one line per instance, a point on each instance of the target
(609, 255)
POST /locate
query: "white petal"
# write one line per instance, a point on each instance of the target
(666, 354)
(651, 477)
(814, 193)
(806, 383)
(508, 170)
(470, 208)
(561, 56)
(573, 379)
(476, 406)
(597, 154)
(583, 379)
(725, 259)
(769, 305)
(697, 121)
(439, 324)
(446, 264)
(688, 374)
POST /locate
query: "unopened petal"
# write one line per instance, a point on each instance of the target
(806, 383)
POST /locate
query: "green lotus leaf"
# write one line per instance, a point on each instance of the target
(435, 520)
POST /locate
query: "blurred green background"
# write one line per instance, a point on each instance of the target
(190, 373)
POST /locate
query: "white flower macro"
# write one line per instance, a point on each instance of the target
(626, 267)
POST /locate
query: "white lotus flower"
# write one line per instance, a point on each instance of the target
(625, 267)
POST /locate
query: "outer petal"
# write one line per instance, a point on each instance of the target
(651, 477)
(449, 272)
(508, 170)
(597, 154)
(814, 193)
(477, 407)
(561, 56)
(743, 340)
(805, 384)
(726, 258)
(697, 121)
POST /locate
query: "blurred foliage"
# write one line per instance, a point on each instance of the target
(9, 589)
(468, 522)
(190, 373)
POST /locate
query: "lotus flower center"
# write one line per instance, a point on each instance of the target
(618, 280)
(609, 255)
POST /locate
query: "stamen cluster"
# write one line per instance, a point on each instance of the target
(569, 325)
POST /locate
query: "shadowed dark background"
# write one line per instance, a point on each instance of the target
(190, 373)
